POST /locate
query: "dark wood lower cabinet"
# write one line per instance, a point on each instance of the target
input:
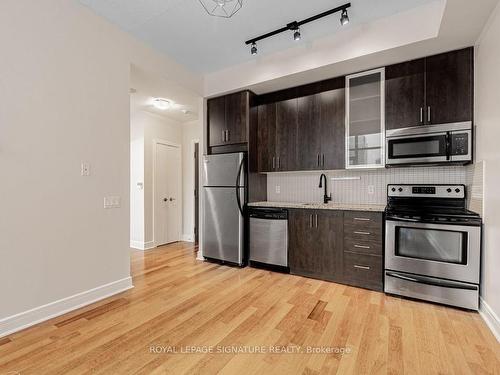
(340, 246)
(315, 243)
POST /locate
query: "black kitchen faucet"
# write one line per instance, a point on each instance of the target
(326, 198)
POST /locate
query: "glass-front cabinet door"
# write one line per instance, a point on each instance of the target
(365, 143)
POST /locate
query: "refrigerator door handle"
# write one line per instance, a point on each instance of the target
(238, 176)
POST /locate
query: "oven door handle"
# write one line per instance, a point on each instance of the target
(442, 283)
(397, 218)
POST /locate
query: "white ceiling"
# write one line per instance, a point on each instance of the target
(184, 31)
(146, 86)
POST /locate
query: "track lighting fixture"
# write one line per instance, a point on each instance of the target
(253, 50)
(344, 18)
(296, 34)
(295, 26)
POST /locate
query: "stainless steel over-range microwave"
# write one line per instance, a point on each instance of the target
(430, 144)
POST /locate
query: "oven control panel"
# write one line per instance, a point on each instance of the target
(426, 191)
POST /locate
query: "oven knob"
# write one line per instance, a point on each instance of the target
(400, 189)
(393, 189)
(448, 190)
(457, 190)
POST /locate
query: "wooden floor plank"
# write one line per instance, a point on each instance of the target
(179, 302)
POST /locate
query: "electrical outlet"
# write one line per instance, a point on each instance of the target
(371, 189)
(278, 189)
(85, 169)
(112, 202)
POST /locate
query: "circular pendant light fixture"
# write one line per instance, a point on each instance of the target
(222, 8)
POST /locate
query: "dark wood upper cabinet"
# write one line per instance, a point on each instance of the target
(449, 87)
(434, 90)
(286, 135)
(309, 133)
(266, 138)
(228, 118)
(405, 94)
(216, 118)
(332, 124)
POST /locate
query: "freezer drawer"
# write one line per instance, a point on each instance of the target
(223, 225)
(269, 241)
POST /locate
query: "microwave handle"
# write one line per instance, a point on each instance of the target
(448, 145)
(441, 283)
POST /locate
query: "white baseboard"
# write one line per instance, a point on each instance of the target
(187, 238)
(490, 318)
(139, 245)
(39, 314)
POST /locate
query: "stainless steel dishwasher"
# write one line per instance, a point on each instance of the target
(269, 238)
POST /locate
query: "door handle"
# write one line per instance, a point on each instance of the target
(227, 135)
(323, 160)
(317, 160)
(310, 221)
(274, 162)
(429, 114)
(440, 283)
(316, 219)
(223, 136)
(279, 162)
(421, 115)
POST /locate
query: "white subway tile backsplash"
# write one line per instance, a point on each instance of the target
(352, 186)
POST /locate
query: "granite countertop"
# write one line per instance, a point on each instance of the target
(322, 206)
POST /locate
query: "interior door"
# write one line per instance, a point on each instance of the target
(405, 94)
(167, 176)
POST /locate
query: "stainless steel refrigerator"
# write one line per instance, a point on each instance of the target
(224, 194)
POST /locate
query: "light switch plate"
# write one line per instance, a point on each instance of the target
(112, 202)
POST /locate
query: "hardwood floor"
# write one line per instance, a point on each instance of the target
(179, 303)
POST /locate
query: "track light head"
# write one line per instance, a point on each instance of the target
(296, 35)
(253, 50)
(344, 17)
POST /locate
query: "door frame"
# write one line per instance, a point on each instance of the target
(200, 154)
(164, 142)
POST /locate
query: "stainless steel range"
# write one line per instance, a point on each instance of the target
(433, 245)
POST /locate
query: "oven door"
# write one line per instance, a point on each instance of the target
(417, 149)
(437, 250)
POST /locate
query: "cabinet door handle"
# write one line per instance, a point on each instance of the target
(317, 160)
(323, 160)
(421, 115)
(362, 246)
(361, 219)
(429, 114)
(316, 217)
(227, 135)
(361, 267)
(274, 162)
(223, 136)
(279, 162)
(365, 233)
(310, 221)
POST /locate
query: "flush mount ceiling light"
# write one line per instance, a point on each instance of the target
(295, 25)
(222, 8)
(162, 104)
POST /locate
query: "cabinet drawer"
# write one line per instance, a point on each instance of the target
(363, 270)
(360, 233)
(364, 246)
(363, 221)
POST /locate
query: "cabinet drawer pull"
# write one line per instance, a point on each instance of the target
(361, 267)
(362, 246)
(365, 233)
(361, 219)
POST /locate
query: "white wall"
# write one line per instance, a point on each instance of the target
(191, 133)
(487, 113)
(64, 93)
